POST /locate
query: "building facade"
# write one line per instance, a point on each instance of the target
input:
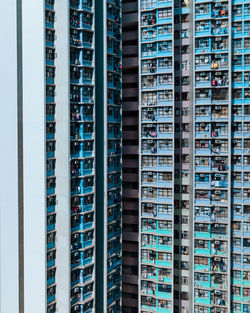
(74, 69)
(165, 148)
(194, 156)
(220, 115)
(130, 160)
(166, 230)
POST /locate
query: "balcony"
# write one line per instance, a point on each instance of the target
(81, 279)
(82, 296)
(50, 245)
(82, 261)
(50, 263)
(50, 172)
(201, 300)
(51, 281)
(114, 264)
(202, 251)
(202, 284)
(81, 190)
(202, 234)
(49, 5)
(87, 5)
(51, 227)
(51, 299)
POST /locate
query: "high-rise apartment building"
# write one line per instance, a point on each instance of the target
(160, 226)
(65, 145)
(221, 156)
(194, 95)
(165, 147)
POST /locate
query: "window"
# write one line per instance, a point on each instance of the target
(237, 60)
(148, 240)
(236, 307)
(184, 265)
(50, 35)
(246, 226)
(164, 288)
(165, 176)
(164, 240)
(165, 209)
(201, 9)
(165, 193)
(246, 276)
(236, 242)
(247, 59)
(246, 259)
(200, 293)
(165, 144)
(148, 192)
(162, 256)
(166, 111)
(247, 26)
(165, 79)
(148, 161)
(164, 304)
(164, 30)
(165, 225)
(164, 46)
(165, 62)
(165, 160)
(199, 260)
(237, 10)
(166, 95)
(246, 9)
(201, 309)
(237, 43)
(184, 34)
(246, 43)
(202, 43)
(184, 219)
(166, 13)
(237, 258)
(148, 33)
(201, 60)
(148, 49)
(202, 26)
(237, 27)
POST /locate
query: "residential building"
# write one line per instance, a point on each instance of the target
(125, 165)
(165, 148)
(193, 156)
(66, 204)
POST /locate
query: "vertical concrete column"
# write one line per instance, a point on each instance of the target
(9, 289)
(34, 170)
